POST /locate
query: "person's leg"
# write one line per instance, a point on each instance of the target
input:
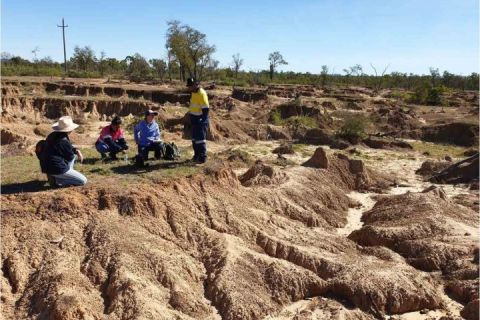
(195, 131)
(201, 143)
(70, 178)
(102, 148)
(157, 149)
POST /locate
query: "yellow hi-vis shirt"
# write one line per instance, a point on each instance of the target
(198, 101)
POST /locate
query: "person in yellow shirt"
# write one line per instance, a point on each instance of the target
(198, 111)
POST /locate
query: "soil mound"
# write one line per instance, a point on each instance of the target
(464, 171)
(430, 167)
(377, 143)
(458, 133)
(441, 239)
(261, 174)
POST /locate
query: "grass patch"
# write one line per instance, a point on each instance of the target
(24, 170)
(438, 150)
(294, 122)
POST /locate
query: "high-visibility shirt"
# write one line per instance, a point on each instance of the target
(198, 101)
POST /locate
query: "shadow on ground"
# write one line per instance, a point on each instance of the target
(132, 168)
(29, 186)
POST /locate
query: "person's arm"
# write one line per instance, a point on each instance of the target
(205, 106)
(136, 131)
(67, 150)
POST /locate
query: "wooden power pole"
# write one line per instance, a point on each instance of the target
(63, 26)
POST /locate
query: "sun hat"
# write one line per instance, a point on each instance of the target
(64, 124)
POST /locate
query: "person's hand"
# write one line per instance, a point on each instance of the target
(80, 156)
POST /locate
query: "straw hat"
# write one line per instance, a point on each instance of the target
(64, 124)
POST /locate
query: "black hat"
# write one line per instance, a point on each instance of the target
(191, 82)
(150, 112)
(117, 120)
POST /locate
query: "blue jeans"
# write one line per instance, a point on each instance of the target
(199, 141)
(71, 177)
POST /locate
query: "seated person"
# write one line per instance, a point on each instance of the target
(59, 156)
(111, 139)
(147, 137)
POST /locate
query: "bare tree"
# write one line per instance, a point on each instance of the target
(237, 63)
(275, 60)
(34, 52)
(378, 81)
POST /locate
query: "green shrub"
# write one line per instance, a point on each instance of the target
(435, 96)
(354, 128)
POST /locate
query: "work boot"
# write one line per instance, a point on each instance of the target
(51, 181)
(113, 156)
(103, 155)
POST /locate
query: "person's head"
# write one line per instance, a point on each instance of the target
(64, 124)
(116, 123)
(150, 115)
(192, 84)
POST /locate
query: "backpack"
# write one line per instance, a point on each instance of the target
(171, 151)
(40, 149)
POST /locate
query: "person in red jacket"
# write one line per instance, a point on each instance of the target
(111, 139)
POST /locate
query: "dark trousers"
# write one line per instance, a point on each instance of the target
(199, 141)
(155, 147)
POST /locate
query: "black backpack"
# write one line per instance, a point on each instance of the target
(171, 151)
(40, 149)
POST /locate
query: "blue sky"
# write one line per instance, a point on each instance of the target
(410, 35)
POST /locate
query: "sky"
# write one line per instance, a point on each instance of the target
(407, 35)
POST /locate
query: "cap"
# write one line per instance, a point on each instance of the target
(150, 112)
(191, 82)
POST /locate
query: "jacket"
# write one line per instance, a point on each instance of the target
(145, 133)
(57, 154)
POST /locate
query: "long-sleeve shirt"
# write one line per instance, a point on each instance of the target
(145, 133)
(108, 133)
(199, 107)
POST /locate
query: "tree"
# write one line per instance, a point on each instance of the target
(275, 59)
(434, 75)
(138, 68)
(324, 74)
(160, 67)
(378, 81)
(189, 47)
(83, 58)
(237, 63)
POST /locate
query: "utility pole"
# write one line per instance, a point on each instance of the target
(63, 26)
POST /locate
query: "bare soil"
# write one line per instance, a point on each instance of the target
(312, 233)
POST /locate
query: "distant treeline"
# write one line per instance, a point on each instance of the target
(84, 64)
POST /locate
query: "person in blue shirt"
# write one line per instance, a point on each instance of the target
(147, 137)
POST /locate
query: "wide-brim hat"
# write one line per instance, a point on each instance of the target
(64, 124)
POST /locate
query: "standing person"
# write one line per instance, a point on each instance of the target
(198, 111)
(59, 156)
(147, 136)
(111, 139)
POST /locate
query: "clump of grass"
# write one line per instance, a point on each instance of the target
(293, 122)
(438, 150)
